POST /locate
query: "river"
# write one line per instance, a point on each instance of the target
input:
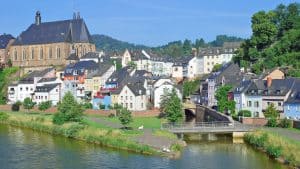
(25, 149)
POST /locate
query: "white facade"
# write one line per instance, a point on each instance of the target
(209, 61)
(126, 58)
(19, 92)
(132, 102)
(52, 95)
(159, 91)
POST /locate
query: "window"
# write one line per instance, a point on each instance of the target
(279, 104)
(207, 63)
(26, 88)
(249, 104)
(131, 105)
(268, 103)
(42, 97)
(126, 97)
(256, 104)
(256, 114)
(50, 53)
(21, 89)
(121, 97)
(46, 97)
(142, 105)
(58, 53)
(23, 55)
(126, 105)
(56, 90)
(41, 54)
(36, 97)
(15, 55)
(130, 97)
(32, 54)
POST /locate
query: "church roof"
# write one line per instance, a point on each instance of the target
(73, 31)
(4, 40)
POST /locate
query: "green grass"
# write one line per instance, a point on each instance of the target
(290, 149)
(88, 131)
(147, 122)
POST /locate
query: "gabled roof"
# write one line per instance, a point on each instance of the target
(29, 79)
(80, 67)
(47, 80)
(294, 97)
(137, 88)
(45, 88)
(100, 71)
(4, 40)
(72, 56)
(73, 31)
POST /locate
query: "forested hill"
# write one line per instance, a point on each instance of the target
(275, 41)
(109, 44)
(175, 48)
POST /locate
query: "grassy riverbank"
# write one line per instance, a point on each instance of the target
(88, 131)
(276, 146)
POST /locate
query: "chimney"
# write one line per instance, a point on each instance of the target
(269, 81)
(38, 19)
(74, 15)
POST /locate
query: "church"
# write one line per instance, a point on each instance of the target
(46, 44)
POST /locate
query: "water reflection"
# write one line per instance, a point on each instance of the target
(23, 148)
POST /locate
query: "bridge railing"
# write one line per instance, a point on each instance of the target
(198, 125)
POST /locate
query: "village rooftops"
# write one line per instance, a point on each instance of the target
(29, 79)
(80, 67)
(46, 88)
(4, 40)
(294, 97)
(52, 79)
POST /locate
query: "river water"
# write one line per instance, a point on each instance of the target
(25, 149)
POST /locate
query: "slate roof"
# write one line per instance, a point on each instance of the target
(120, 75)
(137, 88)
(80, 67)
(29, 79)
(45, 88)
(182, 60)
(72, 31)
(4, 40)
(72, 56)
(47, 80)
(294, 97)
(100, 71)
(279, 87)
(230, 72)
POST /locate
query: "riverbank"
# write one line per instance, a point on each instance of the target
(87, 131)
(282, 148)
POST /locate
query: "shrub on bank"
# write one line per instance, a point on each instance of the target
(285, 123)
(45, 105)
(3, 116)
(274, 151)
(16, 106)
(272, 122)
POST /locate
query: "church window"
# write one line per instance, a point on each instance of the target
(41, 53)
(58, 53)
(23, 55)
(50, 53)
(32, 54)
(16, 55)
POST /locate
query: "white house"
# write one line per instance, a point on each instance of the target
(48, 92)
(133, 97)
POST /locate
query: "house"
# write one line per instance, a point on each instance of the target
(274, 74)
(133, 97)
(94, 56)
(26, 86)
(48, 92)
(5, 42)
(247, 97)
(44, 44)
(209, 57)
(161, 66)
(160, 87)
(185, 67)
(229, 74)
(292, 104)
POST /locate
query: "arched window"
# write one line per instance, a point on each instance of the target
(50, 52)
(58, 53)
(15, 55)
(41, 53)
(32, 54)
(24, 54)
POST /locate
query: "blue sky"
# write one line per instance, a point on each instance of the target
(149, 22)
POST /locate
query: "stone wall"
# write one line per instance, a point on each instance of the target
(254, 121)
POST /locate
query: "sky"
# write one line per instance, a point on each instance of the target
(148, 22)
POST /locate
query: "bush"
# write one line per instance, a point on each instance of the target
(111, 115)
(87, 105)
(73, 130)
(274, 151)
(285, 123)
(28, 103)
(58, 119)
(245, 113)
(102, 107)
(15, 107)
(258, 142)
(45, 105)
(3, 116)
(272, 122)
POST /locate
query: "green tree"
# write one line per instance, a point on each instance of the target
(216, 67)
(223, 103)
(187, 47)
(271, 112)
(28, 103)
(45, 105)
(173, 109)
(125, 117)
(189, 87)
(68, 110)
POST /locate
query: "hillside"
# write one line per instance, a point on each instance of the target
(109, 44)
(275, 41)
(176, 48)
